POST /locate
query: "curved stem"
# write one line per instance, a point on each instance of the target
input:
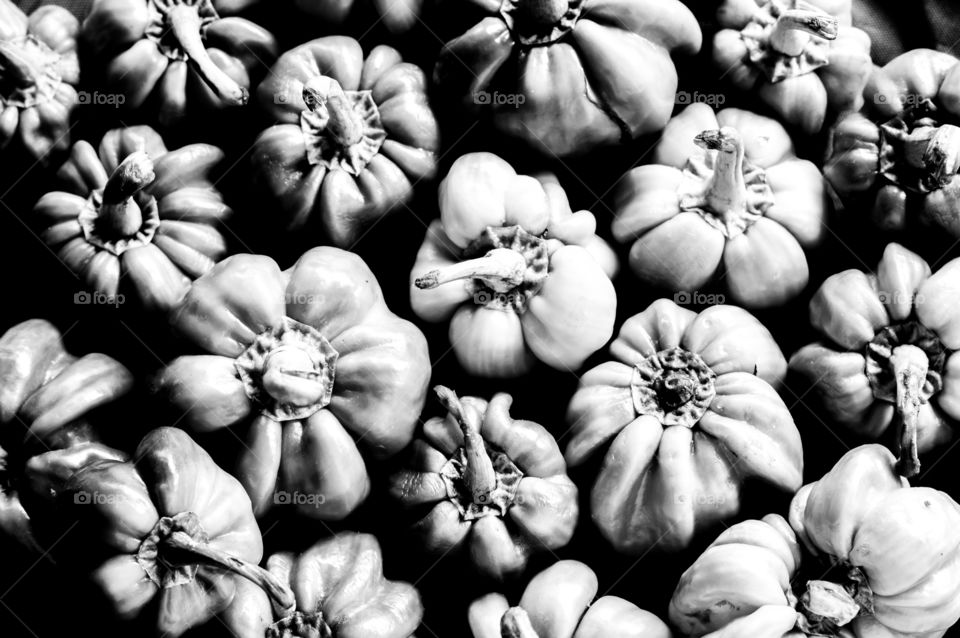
(502, 269)
(479, 475)
(118, 212)
(17, 67)
(910, 365)
(290, 377)
(934, 149)
(277, 591)
(726, 192)
(344, 124)
(515, 623)
(827, 606)
(184, 22)
(795, 27)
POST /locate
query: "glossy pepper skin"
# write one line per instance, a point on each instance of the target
(888, 356)
(53, 395)
(725, 194)
(340, 592)
(683, 414)
(488, 484)
(39, 71)
(307, 363)
(353, 136)
(559, 603)
(176, 530)
(899, 159)
(802, 59)
(864, 556)
(568, 76)
(519, 276)
(175, 57)
(136, 217)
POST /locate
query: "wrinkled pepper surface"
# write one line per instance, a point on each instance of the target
(685, 412)
(353, 137)
(519, 275)
(309, 365)
(888, 357)
(488, 484)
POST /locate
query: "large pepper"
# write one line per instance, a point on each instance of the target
(559, 603)
(353, 136)
(38, 72)
(686, 412)
(724, 194)
(489, 484)
(48, 399)
(138, 212)
(802, 58)
(176, 531)
(864, 555)
(173, 56)
(310, 363)
(900, 159)
(518, 274)
(567, 76)
(888, 356)
(340, 592)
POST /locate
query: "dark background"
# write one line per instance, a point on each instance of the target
(39, 599)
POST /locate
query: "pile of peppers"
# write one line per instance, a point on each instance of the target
(499, 318)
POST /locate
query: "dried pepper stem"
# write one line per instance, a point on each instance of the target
(184, 23)
(344, 125)
(279, 592)
(120, 215)
(910, 365)
(795, 27)
(17, 67)
(479, 474)
(502, 269)
(516, 624)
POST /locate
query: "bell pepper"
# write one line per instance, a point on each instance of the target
(53, 395)
(176, 530)
(900, 159)
(888, 353)
(353, 136)
(136, 212)
(340, 592)
(307, 364)
(488, 484)
(568, 76)
(176, 57)
(683, 414)
(521, 275)
(802, 58)
(559, 603)
(724, 194)
(39, 71)
(864, 555)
